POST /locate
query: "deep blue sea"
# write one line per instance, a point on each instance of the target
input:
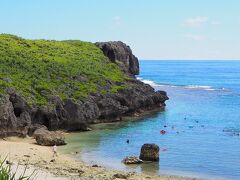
(202, 119)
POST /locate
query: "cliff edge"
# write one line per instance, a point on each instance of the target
(120, 54)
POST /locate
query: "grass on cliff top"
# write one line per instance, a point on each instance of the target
(38, 69)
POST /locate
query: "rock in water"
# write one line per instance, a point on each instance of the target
(149, 152)
(49, 138)
(132, 160)
(162, 132)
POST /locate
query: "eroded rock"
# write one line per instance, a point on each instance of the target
(122, 55)
(149, 152)
(10, 124)
(132, 160)
(34, 127)
(120, 176)
(49, 138)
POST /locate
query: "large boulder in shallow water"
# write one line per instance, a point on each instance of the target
(49, 138)
(149, 152)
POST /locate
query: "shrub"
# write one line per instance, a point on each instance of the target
(7, 174)
(38, 69)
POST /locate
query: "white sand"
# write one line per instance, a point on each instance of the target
(24, 152)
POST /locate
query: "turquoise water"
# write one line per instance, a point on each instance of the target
(202, 120)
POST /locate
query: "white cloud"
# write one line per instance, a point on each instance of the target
(117, 20)
(215, 23)
(197, 21)
(195, 37)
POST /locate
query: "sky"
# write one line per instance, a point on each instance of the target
(154, 29)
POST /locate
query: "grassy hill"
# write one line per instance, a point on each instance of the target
(38, 69)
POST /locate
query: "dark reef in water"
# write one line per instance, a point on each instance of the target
(18, 118)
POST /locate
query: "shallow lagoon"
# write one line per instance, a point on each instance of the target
(202, 119)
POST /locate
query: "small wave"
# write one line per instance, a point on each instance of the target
(154, 84)
(207, 88)
(151, 83)
(198, 87)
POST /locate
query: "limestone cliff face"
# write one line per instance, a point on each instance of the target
(18, 118)
(12, 122)
(122, 55)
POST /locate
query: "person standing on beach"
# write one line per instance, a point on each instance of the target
(54, 151)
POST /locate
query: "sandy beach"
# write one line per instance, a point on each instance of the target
(24, 152)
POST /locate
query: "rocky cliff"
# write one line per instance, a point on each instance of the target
(18, 117)
(120, 54)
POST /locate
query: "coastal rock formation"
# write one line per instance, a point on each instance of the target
(20, 118)
(49, 138)
(120, 176)
(149, 152)
(17, 119)
(12, 122)
(97, 108)
(132, 160)
(121, 54)
(35, 127)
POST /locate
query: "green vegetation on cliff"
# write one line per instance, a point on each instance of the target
(38, 69)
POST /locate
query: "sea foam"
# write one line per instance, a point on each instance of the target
(200, 87)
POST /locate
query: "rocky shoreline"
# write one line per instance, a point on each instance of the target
(18, 118)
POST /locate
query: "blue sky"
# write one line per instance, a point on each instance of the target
(155, 29)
